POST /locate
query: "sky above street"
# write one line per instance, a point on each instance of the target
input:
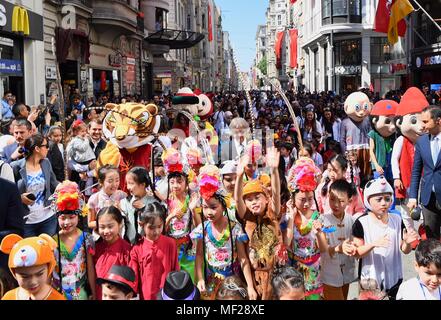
(240, 18)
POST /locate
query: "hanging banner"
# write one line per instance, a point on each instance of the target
(293, 36)
(278, 48)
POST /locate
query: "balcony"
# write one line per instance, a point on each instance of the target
(117, 13)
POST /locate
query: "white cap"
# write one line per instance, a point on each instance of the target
(376, 186)
(229, 167)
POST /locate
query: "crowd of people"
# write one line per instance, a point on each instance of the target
(290, 214)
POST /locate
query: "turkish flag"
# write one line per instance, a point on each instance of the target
(293, 35)
(278, 48)
(210, 28)
(382, 18)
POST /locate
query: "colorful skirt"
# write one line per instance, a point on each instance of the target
(186, 255)
(310, 268)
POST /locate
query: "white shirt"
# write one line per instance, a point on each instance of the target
(340, 269)
(412, 289)
(382, 264)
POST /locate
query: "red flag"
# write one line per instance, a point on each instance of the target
(103, 81)
(210, 28)
(293, 1)
(382, 18)
(293, 35)
(278, 48)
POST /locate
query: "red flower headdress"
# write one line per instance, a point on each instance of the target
(302, 176)
(172, 160)
(67, 197)
(209, 181)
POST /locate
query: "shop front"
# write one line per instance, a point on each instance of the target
(427, 69)
(19, 28)
(105, 72)
(348, 78)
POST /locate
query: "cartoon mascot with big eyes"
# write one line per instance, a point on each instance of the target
(408, 121)
(355, 129)
(130, 129)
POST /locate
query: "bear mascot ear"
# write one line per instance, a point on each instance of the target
(50, 241)
(9, 242)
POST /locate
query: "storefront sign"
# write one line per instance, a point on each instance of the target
(131, 61)
(130, 75)
(428, 61)
(14, 67)
(397, 68)
(51, 72)
(342, 70)
(20, 21)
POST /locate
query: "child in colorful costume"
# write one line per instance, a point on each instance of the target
(181, 217)
(31, 258)
(222, 249)
(303, 231)
(409, 123)
(355, 129)
(259, 210)
(75, 272)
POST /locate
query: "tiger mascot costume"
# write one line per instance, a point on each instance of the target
(130, 129)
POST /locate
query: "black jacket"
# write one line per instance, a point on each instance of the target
(56, 159)
(11, 214)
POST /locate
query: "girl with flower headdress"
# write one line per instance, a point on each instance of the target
(220, 242)
(183, 214)
(303, 234)
(259, 211)
(74, 273)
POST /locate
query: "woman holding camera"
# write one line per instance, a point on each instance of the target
(36, 182)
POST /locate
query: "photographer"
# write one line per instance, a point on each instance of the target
(22, 129)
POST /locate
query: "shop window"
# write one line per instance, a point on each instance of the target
(341, 11)
(160, 19)
(348, 52)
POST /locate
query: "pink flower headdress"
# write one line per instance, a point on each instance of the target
(172, 160)
(254, 150)
(209, 181)
(303, 175)
(194, 157)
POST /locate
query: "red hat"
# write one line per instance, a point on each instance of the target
(384, 108)
(413, 101)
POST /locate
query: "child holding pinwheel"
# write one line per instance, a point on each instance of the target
(337, 264)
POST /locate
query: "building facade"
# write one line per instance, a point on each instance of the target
(341, 51)
(425, 56)
(22, 50)
(276, 23)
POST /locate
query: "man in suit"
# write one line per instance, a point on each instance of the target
(22, 130)
(11, 214)
(427, 162)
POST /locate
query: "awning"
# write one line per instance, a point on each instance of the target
(175, 39)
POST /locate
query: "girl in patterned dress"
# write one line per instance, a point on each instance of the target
(74, 273)
(220, 241)
(180, 219)
(303, 226)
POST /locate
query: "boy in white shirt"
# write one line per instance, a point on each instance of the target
(337, 268)
(428, 266)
